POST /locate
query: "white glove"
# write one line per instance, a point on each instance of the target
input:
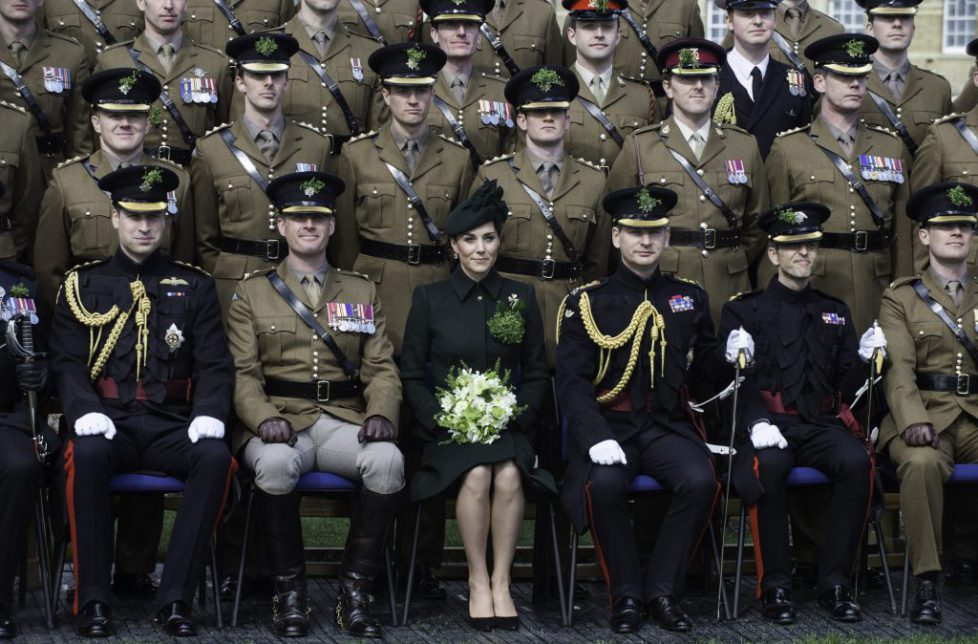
(205, 427)
(873, 339)
(739, 340)
(94, 423)
(607, 452)
(764, 435)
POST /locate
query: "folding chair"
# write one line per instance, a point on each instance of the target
(43, 559)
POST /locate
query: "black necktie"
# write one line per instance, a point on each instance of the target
(755, 76)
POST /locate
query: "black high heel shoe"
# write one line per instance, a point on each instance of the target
(484, 624)
(508, 623)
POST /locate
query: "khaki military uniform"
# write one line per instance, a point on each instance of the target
(205, 24)
(63, 59)
(920, 343)
(75, 224)
(529, 32)
(722, 271)
(628, 104)
(664, 21)
(121, 17)
(20, 172)
(926, 98)
(373, 207)
(576, 204)
(395, 19)
(482, 114)
(798, 170)
(268, 340)
(231, 204)
(197, 69)
(968, 97)
(815, 26)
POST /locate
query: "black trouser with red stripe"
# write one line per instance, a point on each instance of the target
(146, 441)
(841, 457)
(683, 468)
(19, 473)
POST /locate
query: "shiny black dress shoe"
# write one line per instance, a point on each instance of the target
(962, 572)
(626, 615)
(95, 620)
(8, 627)
(776, 606)
(670, 616)
(135, 585)
(840, 604)
(290, 606)
(175, 620)
(926, 607)
(426, 585)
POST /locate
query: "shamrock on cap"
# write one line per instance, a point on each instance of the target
(266, 46)
(959, 197)
(415, 55)
(792, 217)
(646, 202)
(689, 56)
(311, 187)
(856, 48)
(546, 78)
(150, 179)
(127, 83)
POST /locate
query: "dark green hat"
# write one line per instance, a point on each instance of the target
(457, 10)
(122, 89)
(407, 64)
(846, 54)
(305, 193)
(796, 222)
(944, 203)
(141, 188)
(646, 207)
(746, 5)
(486, 205)
(263, 53)
(550, 87)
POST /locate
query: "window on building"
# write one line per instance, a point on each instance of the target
(850, 14)
(716, 26)
(959, 25)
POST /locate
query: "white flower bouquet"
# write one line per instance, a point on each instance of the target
(476, 406)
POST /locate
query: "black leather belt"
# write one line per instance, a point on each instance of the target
(707, 238)
(857, 242)
(963, 384)
(410, 253)
(270, 249)
(318, 390)
(545, 269)
(53, 143)
(177, 155)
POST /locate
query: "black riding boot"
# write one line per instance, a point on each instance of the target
(283, 538)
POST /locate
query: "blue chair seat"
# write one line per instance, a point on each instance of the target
(141, 483)
(964, 473)
(313, 482)
(643, 484)
(807, 476)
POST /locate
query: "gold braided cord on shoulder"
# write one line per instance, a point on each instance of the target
(83, 315)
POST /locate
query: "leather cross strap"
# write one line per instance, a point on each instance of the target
(457, 129)
(229, 16)
(497, 45)
(895, 121)
(788, 52)
(93, 18)
(310, 320)
(168, 103)
(941, 312)
(843, 166)
(595, 111)
(243, 159)
(643, 39)
(368, 22)
(704, 187)
(334, 89)
(966, 133)
(543, 206)
(25, 93)
(404, 184)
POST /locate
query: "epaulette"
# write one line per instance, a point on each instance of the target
(13, 107)
(216, 128)
(255, 273)
(87, 265)
(950, 117)
(450, 140)
(192, 267)
(903, 281)
(60, 36)
(794, 130)
(72, 160)
(880, 128)
(343, 271)
(208, 48)
(309, 126)
(589, 164)
(676, 278)
(648, 128)
(494, 77)
(360, 137)
(743, 295)
(119, 44)
(634, 79)
(584, 287)
(929, 71)
(731, 126)
(501, 157)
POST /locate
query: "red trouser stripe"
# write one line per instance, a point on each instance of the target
(70, 501)
(232, 468)
(756, 531)
(597, 544)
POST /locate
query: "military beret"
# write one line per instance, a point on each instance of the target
(457, 10)
(122, 89)
(796, 222)
(594, 10)
(407, 64)
(542, 88)
(141, 188)
(745, 5)
(691, 57)
(889, 7)
(846, 54)
(485, 206)
(646, 207)
(262, 53)
(944, 203)
(305, 192)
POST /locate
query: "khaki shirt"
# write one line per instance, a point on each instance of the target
(204, 23)
(232, 204)
(529, 33)
(926, 98)
(22, 177)
(268, 340)
(722, 271)
(75, 224)
(196, 68)
(484, 102)
(121, 17)
(798, 170)
(374, 207)
(394, 18)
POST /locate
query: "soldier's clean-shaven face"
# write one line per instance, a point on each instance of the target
(751, 26)
(947, 242)
(794, 261)
(264, 92)
(459, 39)
(641, 248)
(19, 11)
(307, 234)
(477, 250)
(121, 133)
(543, 127)
(595, 40)
(692, 95)
(843, 93)
(139, 233)
(163, 16)
(409, 105)
(321, 6)
(894, 32)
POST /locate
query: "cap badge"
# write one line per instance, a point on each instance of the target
(414, 57)
(312, 187)
(856, 48)
(266, 46)
(150, 178)
(646, 202)
(959, 197)
(792, 217)
(546, 78)
(689, 57)
(598, 5)
(128, 82)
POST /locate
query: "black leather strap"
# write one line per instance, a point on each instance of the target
(319, 391)
(411, 254)
(457, 129)
(497, 46)
(895, 121)
(843, 166)
(788, 52)
(966, 133)
(404, 184)
(368, 22)
(964, 384)
(946, 318)
(543, 205)
(92, 16)
(229, 16)
(334, 89)
(643, 38)
(243, 159)
(595, 111)
(43, 122)
(182, 156)
(310, 320)
(168, 103)
(857, 242)
(704, 187)
(707, 238)
(545, 269)
(272, 250)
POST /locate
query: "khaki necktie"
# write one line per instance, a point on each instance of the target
(320, 41)
(311, 286)
(411, 154)
(696, 143)
(498, 11)
(458, 90)
(954, 289)
(792, 18)
(894, 83)
(19, 51)
(597, 88)
(846, 144)
(165, 54)
(267, 145)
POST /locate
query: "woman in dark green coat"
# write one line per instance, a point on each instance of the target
(449, 325)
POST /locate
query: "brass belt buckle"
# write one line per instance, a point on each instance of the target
(547, 269)
(163, 152)
(320, 396)
(414, 254)
(861, 242)
(272, 249)
(709, 238)
(963, 384)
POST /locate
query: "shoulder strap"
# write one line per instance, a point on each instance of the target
(497, 45)
(229, 16)
(788, 52)
(643, 39)
(895, 121)
(25, 93)
(404, 184)
(966, 133)
(595, 111)
(168, 103)
(946, 318)
(334, 89)
(843, 167)
(548, 214)
(458, 129)
(638, 160)
(243, 159)
(92, 16)
(368, 21)
(310, 320)
(704, 187)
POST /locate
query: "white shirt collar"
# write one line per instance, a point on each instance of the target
(586, 76)
(688, 132)
(742, 68)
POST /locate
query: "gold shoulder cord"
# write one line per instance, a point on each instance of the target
(95, 322)
(634, 332)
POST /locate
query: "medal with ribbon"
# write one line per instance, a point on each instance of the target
(358, 318)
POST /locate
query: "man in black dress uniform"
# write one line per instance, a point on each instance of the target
(807, 365)
(627, 412)
(144, 377)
